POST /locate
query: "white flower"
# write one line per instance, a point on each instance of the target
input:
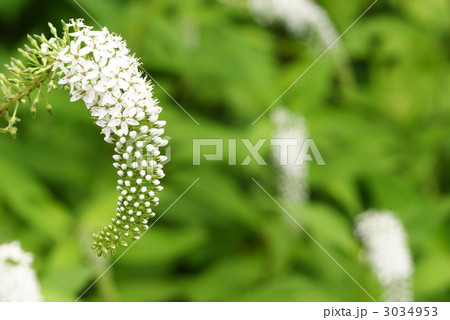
(99, 69)
(99, 112)
(45, 48)
(292, 180)
(124, 122)
(18, 280)
(298, 16)
(77, 23)
(385, 239)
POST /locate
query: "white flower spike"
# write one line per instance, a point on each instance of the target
(293, 179)
(386, 242)
(298, 16)
(18, 281)
(97, 68)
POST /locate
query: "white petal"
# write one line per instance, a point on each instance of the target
(89, 97)
(132, 122)
(114, 123)
(84, 51)
(101, 87)
(129, 112)
(92, 74)
(124, 128)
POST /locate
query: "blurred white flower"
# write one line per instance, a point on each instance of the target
(292, 181)
(191, 35)
(18, 281)
(298, 16)
(386, 242)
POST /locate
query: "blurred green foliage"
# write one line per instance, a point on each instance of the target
(381, 123)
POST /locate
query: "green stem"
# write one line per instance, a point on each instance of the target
(25, 92)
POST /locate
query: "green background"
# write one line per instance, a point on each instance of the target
(381, 123)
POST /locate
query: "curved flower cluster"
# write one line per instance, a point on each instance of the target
(97, 68)
(386, 242)
(18, 282)
(298, 16)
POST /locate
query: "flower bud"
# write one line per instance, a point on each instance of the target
(53, 30)
(33, 111)
(49, 109)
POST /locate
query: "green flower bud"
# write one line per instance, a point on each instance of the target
(49, 108)
(18, 63)
(33, 111)
(33, 106)
(13, 132)
(53, 30)
(33, 41)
